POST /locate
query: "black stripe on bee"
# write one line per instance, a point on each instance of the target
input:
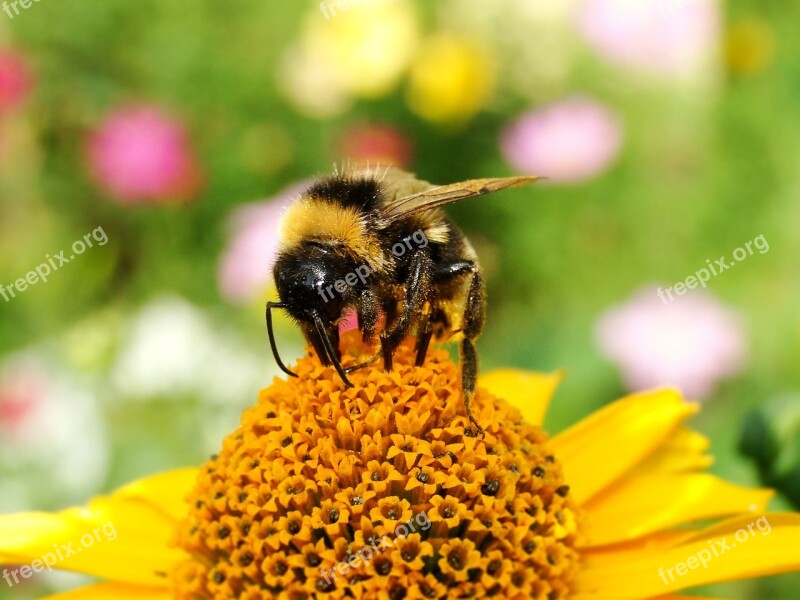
(356, 192)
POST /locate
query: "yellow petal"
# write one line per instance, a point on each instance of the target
(663, 540)
(600, 449)
(684, 451)
(117, 539)
(530, 392)
(643, 504)
(114, 591)
(730, 526)
(751, 551)
(166, 491)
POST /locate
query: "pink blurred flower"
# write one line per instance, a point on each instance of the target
(142, 155)
(690, 343)
(572, 140)
(16, 80)
(671, 37)
(19, 401)
(50, 430)
(376, 144)
(245, 269)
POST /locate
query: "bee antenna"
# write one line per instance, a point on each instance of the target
(273, 345)
(326, 342)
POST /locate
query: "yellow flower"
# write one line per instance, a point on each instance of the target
(450, 80)
(749, 46)
(384, 490)
(360, 49)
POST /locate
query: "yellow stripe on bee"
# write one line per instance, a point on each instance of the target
(323, 221)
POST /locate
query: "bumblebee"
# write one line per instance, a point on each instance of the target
(379, 244)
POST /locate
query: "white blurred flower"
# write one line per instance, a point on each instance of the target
(533, 42)
(171, 349)
(314, 89)
(51, 431)
(690, 343)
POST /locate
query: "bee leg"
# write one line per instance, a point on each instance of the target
(417, 292)
(469, 366)
(312, 336)
(473, 325)
(474, 314)
(368, 315)
(448, 271)
(424, 337)
(386, 352)
(366, 363)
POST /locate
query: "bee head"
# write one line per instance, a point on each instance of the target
(307, 278)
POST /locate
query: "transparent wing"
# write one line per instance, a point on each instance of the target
(437, 196)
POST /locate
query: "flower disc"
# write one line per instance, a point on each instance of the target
(379, 491)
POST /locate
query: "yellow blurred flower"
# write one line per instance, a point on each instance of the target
(749, 46)
(361, 52)
(383, 491)
(451, 80)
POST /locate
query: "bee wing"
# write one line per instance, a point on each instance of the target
(436, 196)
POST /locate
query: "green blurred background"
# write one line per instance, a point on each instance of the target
(669, 130)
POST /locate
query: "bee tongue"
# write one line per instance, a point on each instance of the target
(348, 321)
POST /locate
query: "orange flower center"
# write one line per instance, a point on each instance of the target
(380, 490)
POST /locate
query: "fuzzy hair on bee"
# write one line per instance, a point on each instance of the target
(377, 242)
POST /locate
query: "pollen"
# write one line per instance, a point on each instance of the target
(379, 491)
